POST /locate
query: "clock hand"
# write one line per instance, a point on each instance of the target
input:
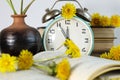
(67, 33)
(63, 32)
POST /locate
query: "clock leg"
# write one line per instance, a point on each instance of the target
(41, 31)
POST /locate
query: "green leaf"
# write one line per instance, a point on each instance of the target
(21, 7)
(27, 7)
(11, 5)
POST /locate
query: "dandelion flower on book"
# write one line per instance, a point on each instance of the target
(115, 20)
(105, 21)
(63, 69)
(96, 19)
(25, 60)
(113, 54)
(115, 50)
(68, 11)
(106, 55)
(7, 63)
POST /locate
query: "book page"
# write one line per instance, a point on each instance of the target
(32, 74)
(111, 75)
(90, 67)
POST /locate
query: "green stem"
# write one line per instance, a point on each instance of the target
(44, 68)
(11, 5)
(48, 59)
(25, 10)
(21, 7)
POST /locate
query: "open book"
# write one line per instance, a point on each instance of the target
(94, 68)
(83, 68)
(88, 67)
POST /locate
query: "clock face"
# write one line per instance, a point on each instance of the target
(79, 32)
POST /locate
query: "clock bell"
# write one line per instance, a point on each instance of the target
(52, 13)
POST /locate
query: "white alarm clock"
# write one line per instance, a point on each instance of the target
(77, 29)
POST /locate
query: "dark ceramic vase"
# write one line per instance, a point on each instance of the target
(20, 36)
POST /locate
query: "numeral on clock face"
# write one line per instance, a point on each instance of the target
(86, 40)
(83, 50)
(58, 24)
(52, 31)
(83, 31)
(49, 40)
(52, 49)
(67, 22)
(77, 24)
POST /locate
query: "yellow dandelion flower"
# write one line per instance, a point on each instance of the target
(96, 19)
(115, 21)
(113, 54)
(105, 21)
(115, 51)
(106, 55)
(25, 60)
(72, 50)
(7, 63)
(68, 11)
(63, 70)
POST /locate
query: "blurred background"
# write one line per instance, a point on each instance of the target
(37, 10)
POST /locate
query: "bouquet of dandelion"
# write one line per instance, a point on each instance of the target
(22, 11)
(105, 21)
(25, 61)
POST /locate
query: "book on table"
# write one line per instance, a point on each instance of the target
(88, 67)
(83, 68)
